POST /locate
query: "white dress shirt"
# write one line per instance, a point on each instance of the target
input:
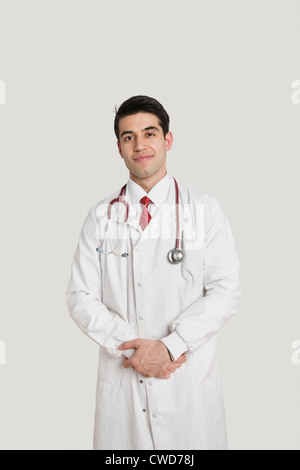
(158, 194)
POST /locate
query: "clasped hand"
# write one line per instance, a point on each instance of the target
(151, 358)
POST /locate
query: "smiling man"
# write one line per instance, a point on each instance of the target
(154, 306)
(143, 146)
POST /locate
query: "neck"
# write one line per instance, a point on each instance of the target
(148, 182)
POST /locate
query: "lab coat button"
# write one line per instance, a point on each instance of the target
(154, 416)
(139, 284)
(150, 383)
(140, 318)
(144, 410)
(141, 381)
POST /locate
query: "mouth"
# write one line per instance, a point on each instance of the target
(143, 158)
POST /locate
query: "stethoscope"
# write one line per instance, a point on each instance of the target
(175, 255)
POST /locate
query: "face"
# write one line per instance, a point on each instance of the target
(143, 146)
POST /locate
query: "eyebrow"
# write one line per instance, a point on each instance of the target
(145, 129)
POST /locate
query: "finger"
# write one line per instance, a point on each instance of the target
(163, 376)
(173, 366)
(181, 359)
(128, 344)
(126, 363)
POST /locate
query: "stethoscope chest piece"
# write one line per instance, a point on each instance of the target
(175, 256)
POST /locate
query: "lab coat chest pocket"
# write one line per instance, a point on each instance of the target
(193, 243)
(192, 269)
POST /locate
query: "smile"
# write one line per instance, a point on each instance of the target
(143, 159)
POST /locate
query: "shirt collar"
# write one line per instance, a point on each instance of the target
(158, 194)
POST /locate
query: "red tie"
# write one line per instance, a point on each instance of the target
(145, 216)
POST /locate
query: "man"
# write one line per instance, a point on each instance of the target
(155, 321)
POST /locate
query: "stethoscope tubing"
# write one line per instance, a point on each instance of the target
(177, 213)
(122, 200)
(175, 255)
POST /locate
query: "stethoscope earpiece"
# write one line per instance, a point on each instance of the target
(100, 250)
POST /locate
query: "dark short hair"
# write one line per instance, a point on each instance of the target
(142, 104)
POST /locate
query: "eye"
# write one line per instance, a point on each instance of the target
(150, 133)
(129, 137)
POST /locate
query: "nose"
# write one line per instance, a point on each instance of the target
(139, 144)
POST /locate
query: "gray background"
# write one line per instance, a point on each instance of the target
(224, 72)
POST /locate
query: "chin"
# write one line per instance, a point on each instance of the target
(145, 173)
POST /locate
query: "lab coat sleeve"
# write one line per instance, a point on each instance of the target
(202, 319)
(83, 295)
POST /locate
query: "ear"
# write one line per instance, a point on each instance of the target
(168, 141)
(119, 148)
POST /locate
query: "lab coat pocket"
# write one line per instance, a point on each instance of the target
(191, 269)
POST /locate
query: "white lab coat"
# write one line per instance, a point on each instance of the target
(114, 299)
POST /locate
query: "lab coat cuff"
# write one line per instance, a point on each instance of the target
(175, 344)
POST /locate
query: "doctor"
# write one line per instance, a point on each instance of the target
(155, 321)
